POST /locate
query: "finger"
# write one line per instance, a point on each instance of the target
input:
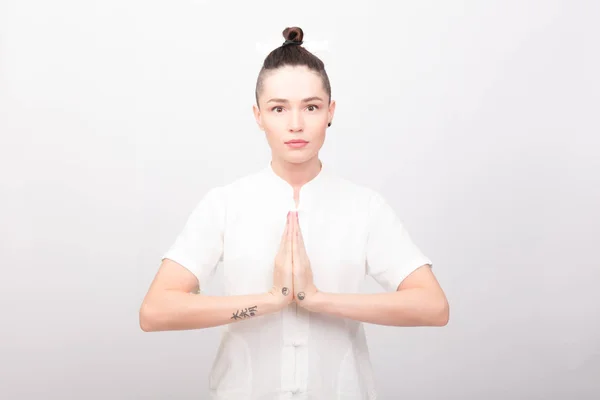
(302, 247)
(284, 237)
(288, 284)
(295, 245)
(300, 238)
(289, 234)
(296, 225)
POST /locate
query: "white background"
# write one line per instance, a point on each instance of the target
(478, 119)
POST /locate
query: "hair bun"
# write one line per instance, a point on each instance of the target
(294, 34)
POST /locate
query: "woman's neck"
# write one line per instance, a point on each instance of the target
(296, 175)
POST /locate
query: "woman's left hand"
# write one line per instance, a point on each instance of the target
(304, 287)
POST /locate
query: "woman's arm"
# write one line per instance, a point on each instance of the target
(419, 301)
(170, 305)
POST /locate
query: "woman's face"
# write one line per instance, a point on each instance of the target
(294, 106)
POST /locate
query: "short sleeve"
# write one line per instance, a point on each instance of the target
(391, 254)
(199, 246)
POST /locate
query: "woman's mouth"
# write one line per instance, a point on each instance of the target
(296, 144)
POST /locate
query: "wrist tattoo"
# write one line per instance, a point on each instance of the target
(245, 313)
(301, 296)
(285, 291)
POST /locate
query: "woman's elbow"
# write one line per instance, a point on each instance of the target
(148, 318)
(442, 314)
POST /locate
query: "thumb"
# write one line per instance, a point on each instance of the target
(283, 241)
(288, 239)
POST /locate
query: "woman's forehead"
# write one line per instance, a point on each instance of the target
(293, 83)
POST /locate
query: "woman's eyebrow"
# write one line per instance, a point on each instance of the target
(313, 98)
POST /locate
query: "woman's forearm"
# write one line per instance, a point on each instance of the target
(409, 307)
(176, 310)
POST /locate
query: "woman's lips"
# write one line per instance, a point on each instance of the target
(296, 144)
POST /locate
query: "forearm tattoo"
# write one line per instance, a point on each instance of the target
(301, 296)
(285, 291)
(245, 313)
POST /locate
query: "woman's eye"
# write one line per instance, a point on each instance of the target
(278, 109)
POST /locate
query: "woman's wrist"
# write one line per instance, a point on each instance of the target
(314, 301)
(277, 300)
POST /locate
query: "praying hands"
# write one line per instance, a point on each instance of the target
(292, 275)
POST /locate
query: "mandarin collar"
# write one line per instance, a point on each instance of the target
(284, 192)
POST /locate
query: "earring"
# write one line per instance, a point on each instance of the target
(329, 124)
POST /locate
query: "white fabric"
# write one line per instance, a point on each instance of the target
(349, 231)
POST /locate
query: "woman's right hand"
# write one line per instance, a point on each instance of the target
(282, 272)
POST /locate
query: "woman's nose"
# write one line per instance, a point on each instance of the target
(296, 121)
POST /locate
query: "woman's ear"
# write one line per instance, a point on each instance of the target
(257, 117)
(331, 111)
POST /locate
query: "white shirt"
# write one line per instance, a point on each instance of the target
(349, 231)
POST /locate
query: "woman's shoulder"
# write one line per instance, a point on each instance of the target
(238, 189)
(353, 188)
(246, 181)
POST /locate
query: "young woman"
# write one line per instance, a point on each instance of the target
(295, 241)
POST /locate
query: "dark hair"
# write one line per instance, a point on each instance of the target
(292, 55)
